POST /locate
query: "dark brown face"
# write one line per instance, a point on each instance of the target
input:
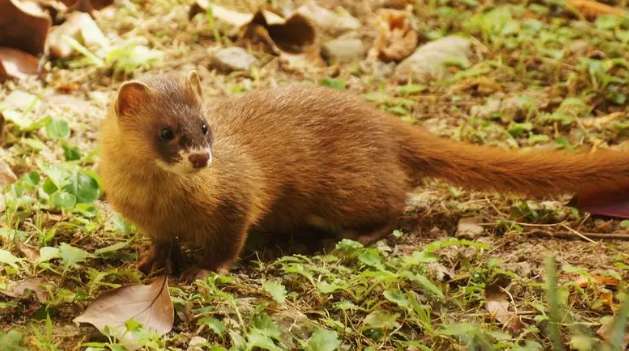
(183, 141)
(164, 117)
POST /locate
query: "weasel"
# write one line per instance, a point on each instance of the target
(286, 159)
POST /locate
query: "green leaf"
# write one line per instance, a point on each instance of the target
(257, 339)
(381, 320)
(47, 253)
(214, 324)
(70, 152)
(323, 340)
(582, 342)
(57, 174)
(84, 187)
(410, 89)
(266, 325)
(72, 256)
(517, 129)
(423, 283)
(7, 258)
(397, 297)
(337, 84)
(111, 248)
(63, 200)
(371, 257)
(57, 129)
(276, 289)
(12, 341)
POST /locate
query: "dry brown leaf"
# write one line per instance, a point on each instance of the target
(231, 17)
(31, 253)
(328, 21)
(88, 6)
(21, 289)
(17, 64)
(6, 174)
(294, 35)
(23, 26)
(396, 37)
(593, 9)
(605, 330)
(497, 303)
(149, 305)
(79, 26)
(607, 203)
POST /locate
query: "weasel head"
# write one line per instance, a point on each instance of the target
(162, 117)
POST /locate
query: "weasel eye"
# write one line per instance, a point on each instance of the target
(204, 129)
(166, 134)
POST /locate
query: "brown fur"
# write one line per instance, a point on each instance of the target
(295, 157)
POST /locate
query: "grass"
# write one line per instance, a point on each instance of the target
(541, 77)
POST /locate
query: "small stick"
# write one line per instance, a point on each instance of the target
(583, 236)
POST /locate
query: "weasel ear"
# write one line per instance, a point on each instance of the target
(194, 82)
(131, 96)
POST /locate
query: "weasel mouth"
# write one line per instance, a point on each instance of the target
(188, 162)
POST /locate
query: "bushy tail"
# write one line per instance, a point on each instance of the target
(537, 173)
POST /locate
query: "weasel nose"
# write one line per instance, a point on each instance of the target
(199, 160)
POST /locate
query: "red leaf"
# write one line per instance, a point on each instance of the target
(16, 64)
(609, 204)
(23, 26)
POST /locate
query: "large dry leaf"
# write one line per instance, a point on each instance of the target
(23, 26)
(497, 303)
(88, 6)
(593, 9)
(22, 288)
(294, 35)
(149, 305)
(231, 17)
(609, 204)
(17, 64)
(79, 26)
(431, 60)
(327, 20)
(396, 37)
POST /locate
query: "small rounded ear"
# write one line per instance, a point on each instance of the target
(194, 82)
(131, 96)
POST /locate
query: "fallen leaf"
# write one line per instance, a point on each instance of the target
(469, 228)
(88, 6)
(294, 35)
(72, 256)
(234, 18)
(17, 64)
(28, 251)
(607, 203)
(396, 37)
(8, 258)
(6, 174)
(78, 26)
(24, 26)
(431, 60)
(381, 320)
(592, 9)
(20, 289)
(149, 305)
(328, 21)
(497, 304)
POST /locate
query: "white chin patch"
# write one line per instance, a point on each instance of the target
(184, 166)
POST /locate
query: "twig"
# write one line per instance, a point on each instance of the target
(583, 236)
